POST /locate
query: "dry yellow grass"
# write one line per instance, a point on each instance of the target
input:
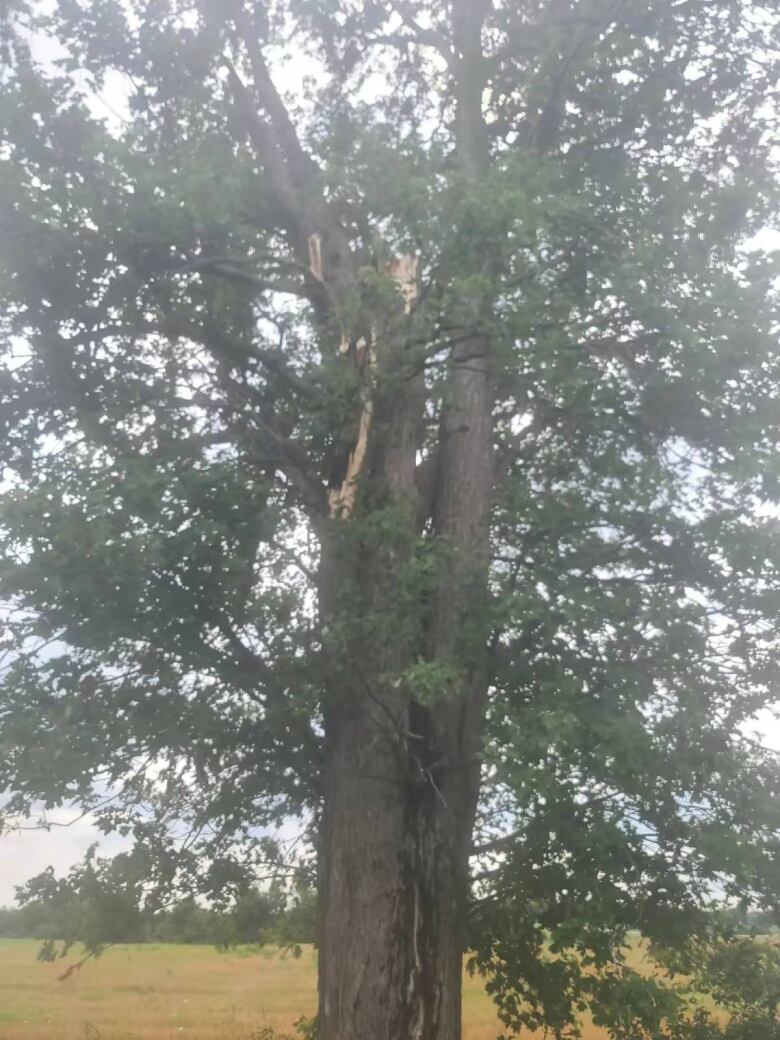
(166, 992)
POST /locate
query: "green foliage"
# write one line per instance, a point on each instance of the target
(86, 908)
(173, 405)
(305, 1029)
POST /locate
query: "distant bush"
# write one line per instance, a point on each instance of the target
(256, 916)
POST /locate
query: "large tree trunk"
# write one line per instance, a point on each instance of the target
(402, 777)
(394, 868)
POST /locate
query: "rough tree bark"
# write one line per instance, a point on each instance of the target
(394, 873)
(402, 777)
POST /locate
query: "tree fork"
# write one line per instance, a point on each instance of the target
(402, 778)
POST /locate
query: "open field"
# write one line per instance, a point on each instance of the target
(169, 992)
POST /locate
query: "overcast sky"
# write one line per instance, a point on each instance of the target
(24, 854)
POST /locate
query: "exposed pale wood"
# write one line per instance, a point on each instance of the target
(314, 243)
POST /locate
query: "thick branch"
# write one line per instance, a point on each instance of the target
(303, 167)
(269, 154)
(470, 72)
(273, 361)
(226, 348)
(426, 36)
(232, 272)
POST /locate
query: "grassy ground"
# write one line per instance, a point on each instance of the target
(167, 992)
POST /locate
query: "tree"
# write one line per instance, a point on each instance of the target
(398, 453)
(95, 905)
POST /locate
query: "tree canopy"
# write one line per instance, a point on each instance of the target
(198, 293)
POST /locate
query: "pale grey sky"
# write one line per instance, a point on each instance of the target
(23, 854)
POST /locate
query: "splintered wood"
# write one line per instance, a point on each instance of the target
(403, 270)
(315, 256)
(341, 500)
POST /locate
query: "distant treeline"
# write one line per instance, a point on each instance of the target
(757, 922)
(257, 916)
